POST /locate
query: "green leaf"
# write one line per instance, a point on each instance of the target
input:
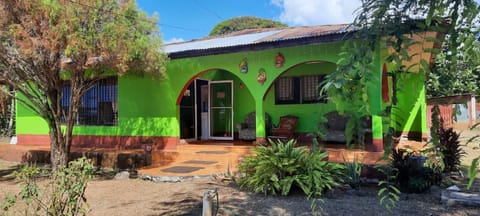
(394, 189)
(472, 172)
(274, 178)
(381, 191)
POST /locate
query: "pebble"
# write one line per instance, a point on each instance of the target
(453, 188)
(122, 175)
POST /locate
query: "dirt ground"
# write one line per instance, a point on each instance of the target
(139, 197)
(470, 148)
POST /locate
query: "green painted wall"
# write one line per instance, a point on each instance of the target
(144, 109)
(27, 122)
(147, 107)
(411, 103)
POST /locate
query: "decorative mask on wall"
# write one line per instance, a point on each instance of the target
(262, 76)
(279, 60)
(243, 66)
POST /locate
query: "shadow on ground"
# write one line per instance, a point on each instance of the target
(8, 173)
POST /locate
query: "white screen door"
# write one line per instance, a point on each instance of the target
(221, 110)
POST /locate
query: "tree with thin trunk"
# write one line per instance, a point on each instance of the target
(46, 45)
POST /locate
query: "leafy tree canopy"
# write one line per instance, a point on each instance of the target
(390, 24)
(461, 78)
(243, 22)
(44, 43)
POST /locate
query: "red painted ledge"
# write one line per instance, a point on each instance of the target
(113, 142)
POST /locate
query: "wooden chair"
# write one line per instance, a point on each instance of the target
(286, 127)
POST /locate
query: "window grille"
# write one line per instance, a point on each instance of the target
(310, 88)
(98, 105)
(298, 90)
(285, 88)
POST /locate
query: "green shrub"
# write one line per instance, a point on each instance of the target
(277, 168)
(352, 173)
(411, 173)
(388, 192)
(64, 193)
(452, 152)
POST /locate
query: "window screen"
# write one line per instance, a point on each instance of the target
(98, 105)
(297, 90)
(285, 88)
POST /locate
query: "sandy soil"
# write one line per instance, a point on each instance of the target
(472, 149)
(139, 197)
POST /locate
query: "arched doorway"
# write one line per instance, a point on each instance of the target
(207, 105)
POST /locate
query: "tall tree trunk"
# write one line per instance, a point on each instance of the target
(58, 147)
(61, 140)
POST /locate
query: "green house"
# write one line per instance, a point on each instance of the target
(212, 84)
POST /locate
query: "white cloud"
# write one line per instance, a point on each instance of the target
(315, 12)
(173, 40)
(278, 3)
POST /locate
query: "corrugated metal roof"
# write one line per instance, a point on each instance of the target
(217, 42)
(255, 36)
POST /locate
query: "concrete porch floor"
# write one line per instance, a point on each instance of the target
(209, 159)
(187, 160)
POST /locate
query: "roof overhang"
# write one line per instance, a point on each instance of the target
(262, 45)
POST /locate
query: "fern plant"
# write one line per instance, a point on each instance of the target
(388, 193)
(276, 169)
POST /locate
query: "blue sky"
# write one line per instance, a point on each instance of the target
(182, 20)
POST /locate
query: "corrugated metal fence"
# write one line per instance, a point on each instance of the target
(446, 113)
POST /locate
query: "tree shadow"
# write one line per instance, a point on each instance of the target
(186, 206)
(8, 174)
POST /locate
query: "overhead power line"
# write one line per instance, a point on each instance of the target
(142, 20)
(208, 10)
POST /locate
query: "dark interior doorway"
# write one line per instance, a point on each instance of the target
(193, 105)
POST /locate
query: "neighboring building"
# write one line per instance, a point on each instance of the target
(213, 83)
(457, 111)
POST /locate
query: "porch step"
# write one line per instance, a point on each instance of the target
(364, 157)
(195, 160)
(187, 160)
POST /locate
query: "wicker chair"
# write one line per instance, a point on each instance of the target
(335, 126)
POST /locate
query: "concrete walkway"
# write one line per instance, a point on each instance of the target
(197, 160)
